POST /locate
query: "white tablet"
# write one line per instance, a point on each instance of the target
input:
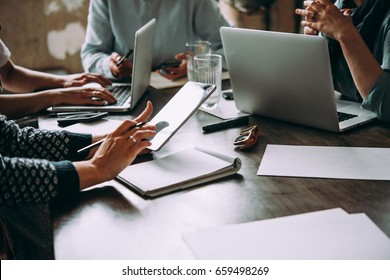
(178, 110)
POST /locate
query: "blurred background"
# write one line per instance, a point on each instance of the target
(47, 34)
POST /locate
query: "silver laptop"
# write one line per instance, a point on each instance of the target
(127, 95)
(287, 76)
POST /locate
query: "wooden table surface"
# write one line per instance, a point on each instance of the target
(112, 222)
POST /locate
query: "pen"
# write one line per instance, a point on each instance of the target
(120, 61)
(97, 143)
(225, 124)
(65, 114)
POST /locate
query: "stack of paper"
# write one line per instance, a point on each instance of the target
(324, 235)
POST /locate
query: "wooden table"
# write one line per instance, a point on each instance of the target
(112, 222)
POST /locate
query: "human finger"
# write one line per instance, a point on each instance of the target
(181, 56)
(307, 3)
(123, 70)
(124, 128)
(309, 14)
(146, 113)
(114, 58)
(174, 73)
(309, 31)
(314, 6)
(309, 25)
(139, 129)
(106, 95)
(346, 12)
(313, 10)
(141, 134)
(101, 80)
(324, 2)
(101, 94)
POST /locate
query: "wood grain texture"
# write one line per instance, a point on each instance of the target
(111, 222)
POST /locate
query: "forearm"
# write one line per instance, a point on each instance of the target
(19, 105)
(19, 79)
(365, 70)
(34, 143)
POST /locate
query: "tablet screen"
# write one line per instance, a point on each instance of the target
(178, 110)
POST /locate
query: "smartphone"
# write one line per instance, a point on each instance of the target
(171, 63)
(81, 117)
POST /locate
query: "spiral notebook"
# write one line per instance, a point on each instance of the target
(180, 170)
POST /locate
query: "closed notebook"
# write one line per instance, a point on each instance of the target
(177, 171)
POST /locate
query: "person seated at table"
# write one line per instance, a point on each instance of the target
(359, 44)
(41, 166)
(42, 90)
(112, 26)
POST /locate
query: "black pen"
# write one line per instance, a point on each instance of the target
(120, 61)
(225, 124)
(97, 143)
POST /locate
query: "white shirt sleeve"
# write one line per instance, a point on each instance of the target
(5, 54)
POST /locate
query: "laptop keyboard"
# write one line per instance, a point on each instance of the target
(120, 92)
(345, 116)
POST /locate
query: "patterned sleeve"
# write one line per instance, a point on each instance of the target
(35, 166)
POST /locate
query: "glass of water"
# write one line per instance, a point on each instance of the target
(193, 49)
(208, 69)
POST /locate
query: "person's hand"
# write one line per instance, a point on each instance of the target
(309, 17)
(119, 150)
(174, 73)
(324, 16)
(123, 70)
(77, 80)
(146, 113)
(82, 96)
(143, 117)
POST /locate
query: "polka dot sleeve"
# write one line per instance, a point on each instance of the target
(35, 165)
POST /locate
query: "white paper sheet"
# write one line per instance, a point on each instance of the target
(326, 162)
(323, 235)
(226, 109)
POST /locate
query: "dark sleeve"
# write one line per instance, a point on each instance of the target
(43, 144)
(34, 181)
(35, 166)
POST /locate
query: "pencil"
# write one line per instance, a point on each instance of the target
(97, 143)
